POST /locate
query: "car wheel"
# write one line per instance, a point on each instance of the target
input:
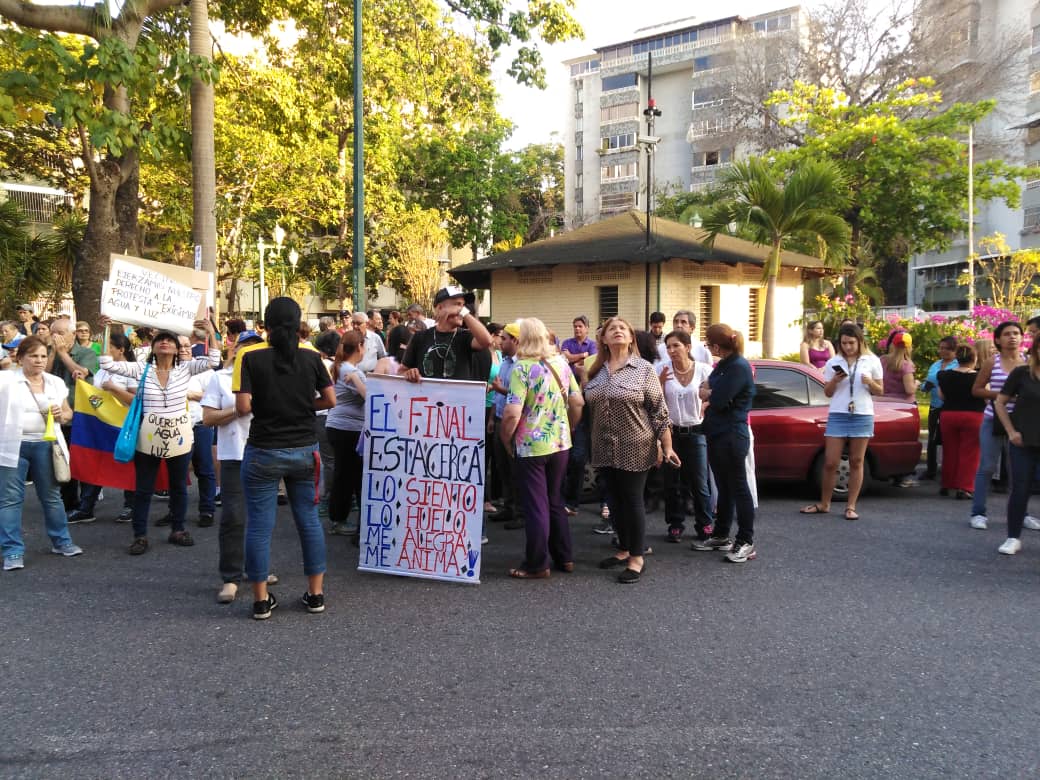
(841, 487)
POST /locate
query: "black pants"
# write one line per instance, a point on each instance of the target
(627, 508)
(346, 482)
(727, 454)
(934, 440)
(504, 464)
(232, 538)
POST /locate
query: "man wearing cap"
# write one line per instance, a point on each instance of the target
(447, 350)
(25, 323)
(511, 511)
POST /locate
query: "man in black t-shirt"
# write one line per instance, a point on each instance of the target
(451, 349)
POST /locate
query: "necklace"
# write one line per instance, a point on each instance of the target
(683, 372)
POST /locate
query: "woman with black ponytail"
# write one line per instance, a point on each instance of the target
(282, 386)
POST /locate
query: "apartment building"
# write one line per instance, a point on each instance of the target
(987, 29)
(693, 85)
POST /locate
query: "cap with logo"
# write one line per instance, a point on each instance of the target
(447, 293)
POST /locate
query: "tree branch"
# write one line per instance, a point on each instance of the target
(73, 19)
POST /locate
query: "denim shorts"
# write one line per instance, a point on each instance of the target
(843, 425)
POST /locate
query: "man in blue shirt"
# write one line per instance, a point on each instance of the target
(511, 513)
(575, 350)
(947, 359)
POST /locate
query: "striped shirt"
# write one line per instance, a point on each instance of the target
(997, 377)
(171, 400)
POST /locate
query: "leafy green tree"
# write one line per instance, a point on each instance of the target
(904, 158)
(777, 212)
(28, 260)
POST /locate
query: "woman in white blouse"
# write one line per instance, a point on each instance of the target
(166, 427)
(27, 396)
(853, 377)
(681, 376)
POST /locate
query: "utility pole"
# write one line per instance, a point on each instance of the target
(359, 168)
(971, 218)
(651, 112)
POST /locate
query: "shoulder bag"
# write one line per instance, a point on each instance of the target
(126, 442)
(59, 456)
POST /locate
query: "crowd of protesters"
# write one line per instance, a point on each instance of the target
(271, 411)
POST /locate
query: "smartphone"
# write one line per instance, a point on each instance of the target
(840, 371)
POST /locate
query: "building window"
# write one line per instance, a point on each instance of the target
(1031, 218)
(623, 81)
(622, 111)
(1033, 177)
(1036, 39)
(710, 96)
(622, 141)
(775, 24)
(579, 194)
(608, 302)
(625, 171)
(708, 312)
(712, 62)
(589, 66)
(579, 124)
(755, 314)
(714, 157)
(578, 155)
(579, 180)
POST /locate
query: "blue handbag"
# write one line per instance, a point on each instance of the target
(126, 443)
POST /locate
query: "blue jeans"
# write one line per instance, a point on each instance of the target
(147, 468)
(1024, 464)
(989, 450)
(692, 450)
(37, 456)
(261, 471)
(202, 463)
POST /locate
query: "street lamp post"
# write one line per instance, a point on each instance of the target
(261, 247)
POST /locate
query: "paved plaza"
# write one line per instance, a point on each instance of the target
(901, 645)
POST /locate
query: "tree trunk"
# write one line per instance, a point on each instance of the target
(102, 237)
(768, 317)
(203, 166)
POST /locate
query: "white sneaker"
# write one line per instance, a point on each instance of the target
(1010, 547)
(979, 522)
(227, 593)
(1031, 523)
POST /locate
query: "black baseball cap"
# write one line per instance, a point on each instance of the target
(447, 293)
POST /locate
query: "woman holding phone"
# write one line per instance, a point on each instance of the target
(853, 377)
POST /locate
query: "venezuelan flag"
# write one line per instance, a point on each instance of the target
(97, 417)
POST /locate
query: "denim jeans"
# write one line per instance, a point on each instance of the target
(147, 468)
(989, 450)
(261, 472)
(1024, 464)
(202, 464)
(727, 454)
(693, 476)
(37, 456)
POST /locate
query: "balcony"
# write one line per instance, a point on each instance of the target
(704, 176)
(664, 56)
(708, 127)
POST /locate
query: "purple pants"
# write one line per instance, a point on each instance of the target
(539, 483)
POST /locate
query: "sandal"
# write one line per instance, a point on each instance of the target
(139, 546)
(851, 514)
(181, 539)
(629, 576)
(524, 574)
(814, 509)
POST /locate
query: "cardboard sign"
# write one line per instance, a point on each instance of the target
(422, 498)
(146, 293)
(165, 437)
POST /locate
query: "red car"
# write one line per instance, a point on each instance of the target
(789, 416)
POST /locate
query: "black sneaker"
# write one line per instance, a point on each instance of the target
(218, 500)
(126, 516)
(205, 520)
(163, 495)
(314, 604)
(262, 609)
(76, 516)
(165, 519)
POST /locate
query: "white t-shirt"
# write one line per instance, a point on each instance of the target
(231, 439)
(374, 350)
(123, 382)
(33, 406)
(698, 352)
(684, 403)
(852, 389)
(198, 384)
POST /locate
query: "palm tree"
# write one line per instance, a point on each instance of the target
(775, 212)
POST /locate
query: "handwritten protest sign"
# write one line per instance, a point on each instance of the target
(165, 437)
(422, 500)
(143, 292)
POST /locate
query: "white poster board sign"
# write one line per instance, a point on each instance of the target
(145, 293)
(422, 496)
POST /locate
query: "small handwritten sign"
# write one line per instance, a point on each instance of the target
(422, 503)
(139, 295)
(165, 437)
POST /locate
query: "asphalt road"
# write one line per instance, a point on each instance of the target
(901, 645)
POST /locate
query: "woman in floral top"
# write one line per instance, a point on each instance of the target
(630, 435)
(543, 404)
